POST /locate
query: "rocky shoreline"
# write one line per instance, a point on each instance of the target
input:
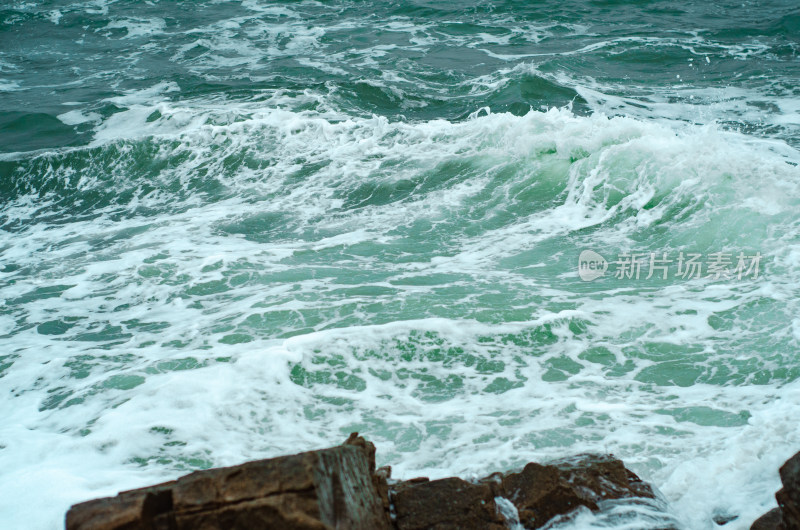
(340, 488)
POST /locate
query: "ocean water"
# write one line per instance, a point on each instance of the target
(234, 230)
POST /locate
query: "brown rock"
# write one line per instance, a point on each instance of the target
(339, 488)
(318, 490)
(787, 515)
(129, 510)
(367, 447)
(445, 504)
(540, 492)
(769, 521)
(380, 479)
(789, 496)
(281, 511)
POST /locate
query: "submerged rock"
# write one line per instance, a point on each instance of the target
(339, 488)
(721, 519)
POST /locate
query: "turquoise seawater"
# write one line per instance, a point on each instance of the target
(234, 230)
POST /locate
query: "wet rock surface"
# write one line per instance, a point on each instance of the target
(540, 492)
(339, 488)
